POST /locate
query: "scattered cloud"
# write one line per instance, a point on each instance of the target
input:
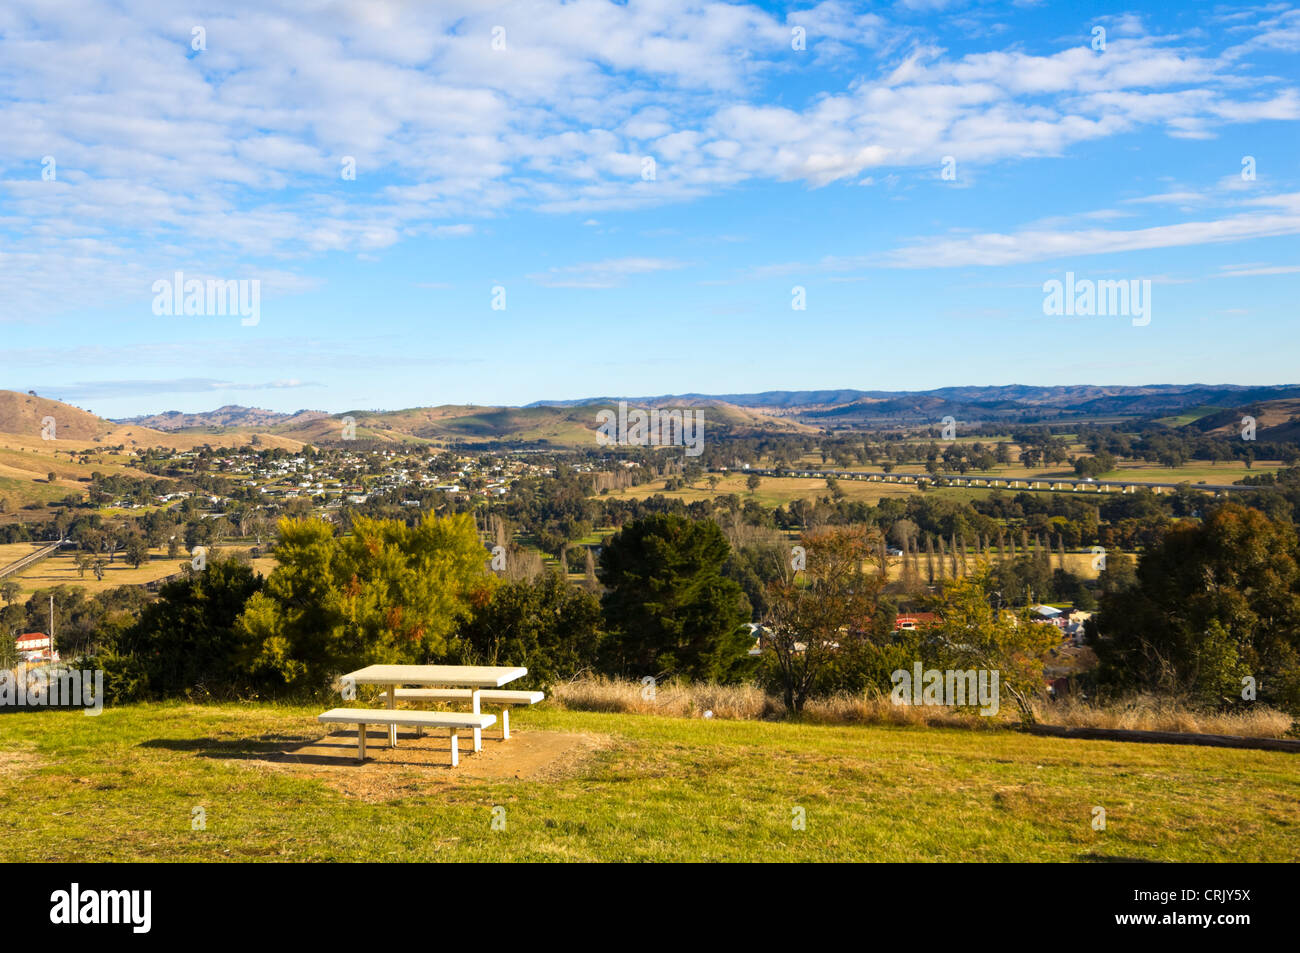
(95, 390)
(991, 248)
(243, 150)
(1257, 271)
(602, 274)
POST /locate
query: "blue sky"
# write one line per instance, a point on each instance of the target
(523, 168)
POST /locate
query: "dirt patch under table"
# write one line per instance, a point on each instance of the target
(419, 764)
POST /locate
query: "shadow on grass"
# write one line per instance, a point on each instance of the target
(1108, 859)
(338, 749)
(214, 747)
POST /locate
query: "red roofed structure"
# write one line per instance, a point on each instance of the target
(914, 620)
(35, 646)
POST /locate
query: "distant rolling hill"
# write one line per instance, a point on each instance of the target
(781, 399)
(50, 450)
(1275, 421)
(22, 418)
(229, 416)
(847, 407)
(24, 414)
(573, 424)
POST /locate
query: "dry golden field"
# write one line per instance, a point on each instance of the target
(61, 570)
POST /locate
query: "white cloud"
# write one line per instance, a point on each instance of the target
(1255, 272)
(602, 274)
(1168, 198)
(1028, 245)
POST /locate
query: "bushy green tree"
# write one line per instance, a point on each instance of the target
(185, 640)
(753, 567)
(389, 593)
(137, 551)
(1212, 603)
(547, 625)
(668, 608)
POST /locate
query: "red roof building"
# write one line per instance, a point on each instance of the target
(914, 620)
(35, 646)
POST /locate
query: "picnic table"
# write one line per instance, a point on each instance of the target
(474, 677)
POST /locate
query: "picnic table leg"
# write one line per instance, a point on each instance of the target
(361, 743)
(505, 724)
(455, 748)
(478, 732)
(392, 703)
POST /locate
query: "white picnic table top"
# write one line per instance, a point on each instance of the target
(472, 676)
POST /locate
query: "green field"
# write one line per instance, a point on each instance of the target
(772, 491)
(780, 491)
(124, 785)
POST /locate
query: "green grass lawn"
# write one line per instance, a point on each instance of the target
(122, 786)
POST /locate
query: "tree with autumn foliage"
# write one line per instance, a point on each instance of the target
(824, 608)
(969, 633)
(387, 593)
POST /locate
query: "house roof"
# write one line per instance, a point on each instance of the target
(915, 618)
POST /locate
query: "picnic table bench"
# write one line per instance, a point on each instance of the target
(466, 682)
(504, 698)
(455, 721)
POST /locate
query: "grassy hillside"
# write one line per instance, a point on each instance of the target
(1276, 420)
(23, 414)
(568, 426)
(1188, 416)
(124, 785)
(22, 417)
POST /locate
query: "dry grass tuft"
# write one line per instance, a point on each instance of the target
(744, 702)
(1152, 713)
(749, 702)
(673, 699)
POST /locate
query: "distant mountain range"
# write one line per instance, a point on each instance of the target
(1202, 407)
(777, 409)
(1013, 402)
(1091, 397)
